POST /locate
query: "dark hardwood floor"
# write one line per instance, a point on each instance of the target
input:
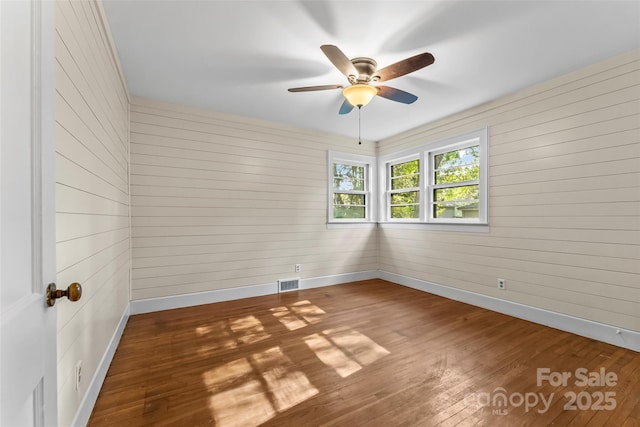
(369, 353)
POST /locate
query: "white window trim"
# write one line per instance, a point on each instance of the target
(371, 188)
(425, 153)
(388, 191)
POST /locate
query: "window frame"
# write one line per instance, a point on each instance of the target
(389, 191)
(426, 154)
(370, 187)
(431, 185)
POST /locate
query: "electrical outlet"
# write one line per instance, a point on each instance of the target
(78, 374)
(502, 284)
(298, 268)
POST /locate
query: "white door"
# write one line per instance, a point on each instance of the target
(27, 214)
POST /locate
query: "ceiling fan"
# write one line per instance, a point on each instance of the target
(362, 71)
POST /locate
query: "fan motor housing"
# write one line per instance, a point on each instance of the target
(366, 67)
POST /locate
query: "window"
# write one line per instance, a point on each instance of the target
(440, 182)
(351, 197)
(403, 197)
(455, 183)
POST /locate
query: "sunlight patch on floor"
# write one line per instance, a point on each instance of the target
(288, 319)
(331, 355)
(345, 350)
(361, 347)
(219, 337)
(309, 312)
(224, 376)
(288, 386)
(242, 406)
(298, 315)
(250, 391)
(248, 329)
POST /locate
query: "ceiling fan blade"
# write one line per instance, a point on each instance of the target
(345, 108)
(312, 88)
(403, 67)
(340, 60)
(396, 95)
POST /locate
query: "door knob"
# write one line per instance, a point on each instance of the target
(73, 292)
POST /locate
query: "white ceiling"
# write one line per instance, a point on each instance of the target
(240, 57)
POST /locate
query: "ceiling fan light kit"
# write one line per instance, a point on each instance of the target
(359, 94)
(361, 71)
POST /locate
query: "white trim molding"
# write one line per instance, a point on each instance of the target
(149, 305)
(369, 163)
(219, 295)
(337, 279)
(425, 155)
(91, 396)
(620, 337)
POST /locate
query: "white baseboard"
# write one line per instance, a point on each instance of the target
(199, 298)
(625, 338)
(336, 279)
(88, 402)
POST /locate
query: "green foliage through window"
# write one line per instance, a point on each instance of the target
(457, 166)
(348, 177)
(454, 169)
(349, 199)
(405, 176)
(439, 182)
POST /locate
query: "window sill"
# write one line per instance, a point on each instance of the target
(438, 226)
(467, 227)
(362, 224)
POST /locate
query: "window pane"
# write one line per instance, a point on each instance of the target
(406, 168)
(410, 181)
(404, 198)
(456, 202)
(348, 212)
(343, 184)
(348, 199)
(458, 174)
(409, 211)
(456, 210)
(458, 165)
(460, 157)
(468, 193)
(405, 205)
(348, 177)
(349, 205)
(405, 175)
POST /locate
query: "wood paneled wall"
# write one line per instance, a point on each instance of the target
(221, 201)
(92, 194)
(564, 199)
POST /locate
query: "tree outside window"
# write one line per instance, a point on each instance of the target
(404, 189)
(349, 191)
(456, 176)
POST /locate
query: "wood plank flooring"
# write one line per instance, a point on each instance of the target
(369, 353)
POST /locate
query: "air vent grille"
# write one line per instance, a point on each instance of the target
(288, 285)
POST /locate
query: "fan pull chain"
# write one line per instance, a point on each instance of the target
(359, 127)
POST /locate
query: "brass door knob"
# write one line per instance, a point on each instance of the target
(73, 292)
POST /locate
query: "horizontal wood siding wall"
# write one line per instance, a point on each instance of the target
(92, 194)
(221, 201)
(564, 205)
